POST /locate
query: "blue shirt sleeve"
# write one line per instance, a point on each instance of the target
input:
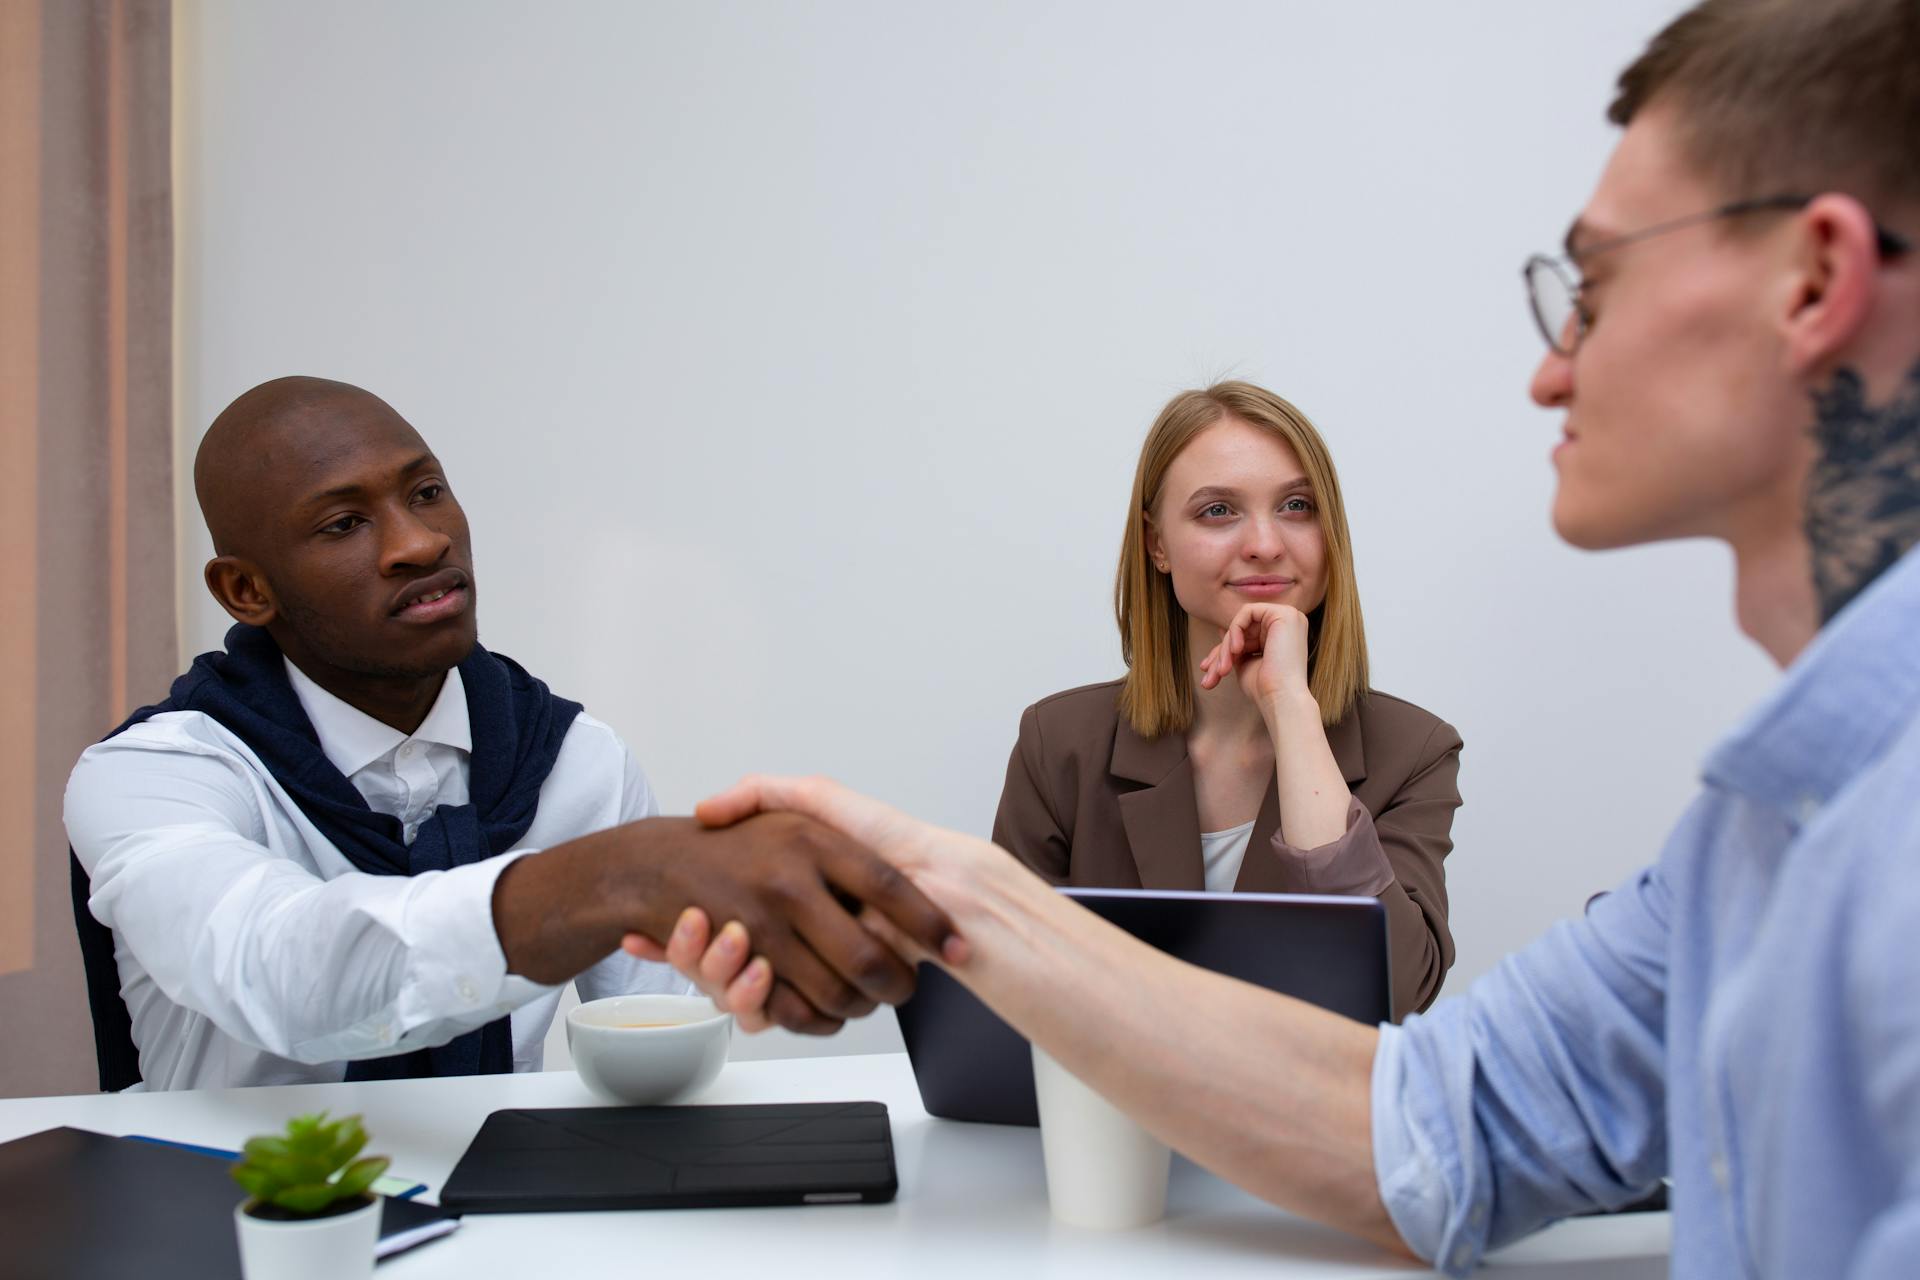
(1538, 1093)
(1878, 983)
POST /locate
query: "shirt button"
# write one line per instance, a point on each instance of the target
(406, 749)
(467, 992)
(1809, 809)
(1478, 1217)
(1461, 1256)
(1722, 1176)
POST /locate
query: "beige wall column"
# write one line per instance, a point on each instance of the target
(87, 629)
(19, 410)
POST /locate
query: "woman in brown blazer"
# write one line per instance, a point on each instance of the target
(1243, 750)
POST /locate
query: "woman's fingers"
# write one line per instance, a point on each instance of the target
(717, 963)
(1241, 631)
(684, 944)
(1275, 620)
(1284, 639)
(1244, 640)
(885, 930)
(726, 957)
(687, 944)
(908, 845)
(738, 802)
(1217, 665)
(746, 996)
(641, 947)
(721, 967)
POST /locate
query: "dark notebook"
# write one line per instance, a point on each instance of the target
(676, 1158)
(75, 1205)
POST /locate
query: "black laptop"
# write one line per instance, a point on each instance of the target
(1331, 952)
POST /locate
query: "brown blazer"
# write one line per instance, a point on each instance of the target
(1090, 802)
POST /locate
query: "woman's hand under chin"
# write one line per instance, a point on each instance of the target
(1264, 648)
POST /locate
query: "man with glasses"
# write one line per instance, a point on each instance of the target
(1553, 284)
(1735, 347)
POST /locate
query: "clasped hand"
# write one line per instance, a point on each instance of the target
(743, 969)
(1264, 648)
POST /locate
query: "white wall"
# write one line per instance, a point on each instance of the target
(791, 359)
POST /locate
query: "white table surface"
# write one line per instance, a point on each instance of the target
(972, 1200)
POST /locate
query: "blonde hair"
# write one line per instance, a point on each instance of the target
(1157, 694)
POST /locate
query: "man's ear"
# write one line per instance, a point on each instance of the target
(1836, 267)
(242, 590)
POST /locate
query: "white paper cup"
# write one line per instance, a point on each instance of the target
(1103, 1169)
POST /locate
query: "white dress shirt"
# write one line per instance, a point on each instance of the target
(252, 952)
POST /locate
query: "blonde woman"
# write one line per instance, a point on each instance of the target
(1243, 750)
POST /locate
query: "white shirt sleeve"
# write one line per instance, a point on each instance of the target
(621, 974)
(636, 793)
(316, 970)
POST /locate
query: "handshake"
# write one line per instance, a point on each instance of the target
(819, 882)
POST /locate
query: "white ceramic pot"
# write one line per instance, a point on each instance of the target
(648, 1050)
(336, 1248)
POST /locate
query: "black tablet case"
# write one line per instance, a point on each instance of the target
(570, 1159)
(76, 1205)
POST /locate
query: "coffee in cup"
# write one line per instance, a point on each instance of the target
(648, 1050)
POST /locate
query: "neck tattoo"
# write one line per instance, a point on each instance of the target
(1863, 498)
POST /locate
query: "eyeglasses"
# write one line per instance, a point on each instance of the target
(1554, 285)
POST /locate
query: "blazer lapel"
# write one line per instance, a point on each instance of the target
(1162, 819)
(1349, 748)
(1260, 870)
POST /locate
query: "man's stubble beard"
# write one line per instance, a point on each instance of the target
(322, 637)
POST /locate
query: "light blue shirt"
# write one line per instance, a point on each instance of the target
(1743, 1016)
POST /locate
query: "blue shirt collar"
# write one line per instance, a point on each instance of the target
(1840, 704)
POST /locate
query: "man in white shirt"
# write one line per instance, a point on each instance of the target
(395, 886)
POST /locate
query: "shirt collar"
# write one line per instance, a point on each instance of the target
(352, 739)
(1840, 704)
(447, 723)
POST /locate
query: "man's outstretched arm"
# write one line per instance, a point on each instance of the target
(1538, 1094)
(235, 932)
(1268, 1092)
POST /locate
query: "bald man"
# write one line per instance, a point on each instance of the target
(356, 844)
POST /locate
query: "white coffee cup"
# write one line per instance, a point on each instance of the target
(1103, 1169)
(648, 1050)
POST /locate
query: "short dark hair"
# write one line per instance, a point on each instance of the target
(1801, 97)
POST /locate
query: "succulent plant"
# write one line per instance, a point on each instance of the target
(309, 1170)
